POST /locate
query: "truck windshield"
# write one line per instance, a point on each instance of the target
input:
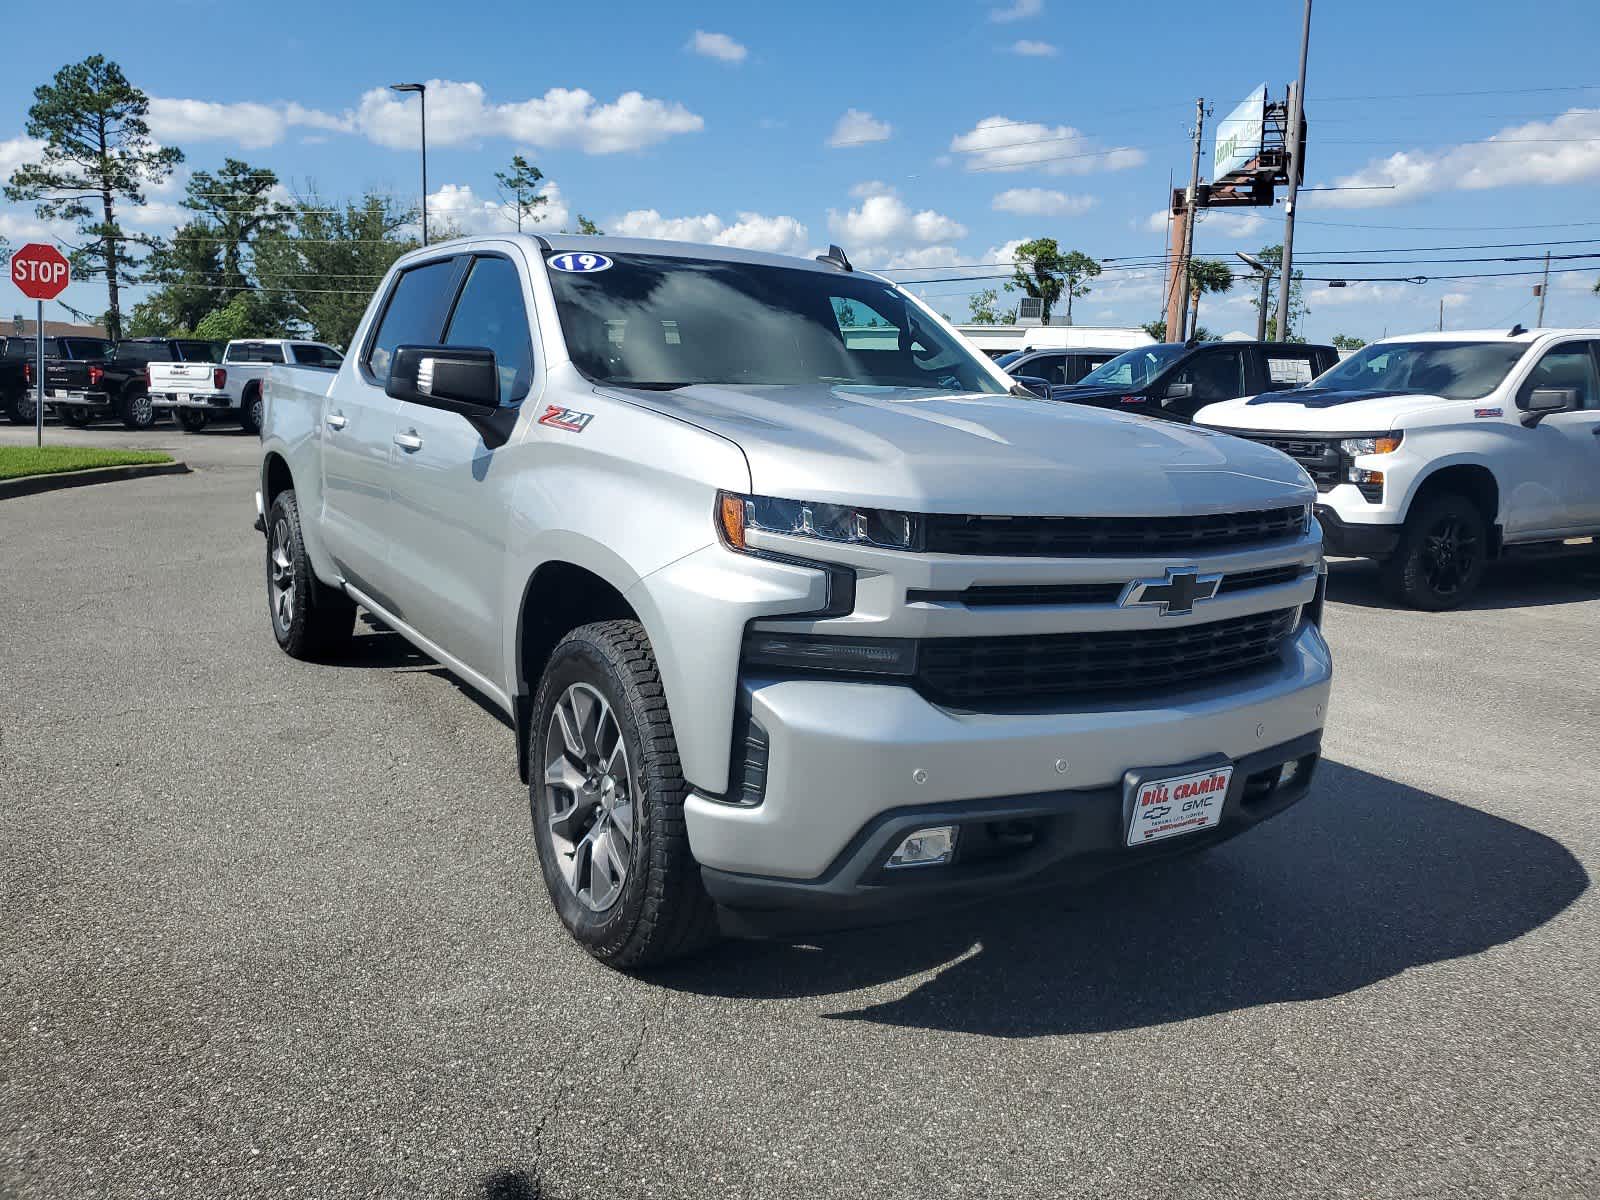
(1454, 370)
(1136, 368)
(659, 321)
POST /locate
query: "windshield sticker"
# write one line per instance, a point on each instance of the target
(574, 263)
(569, 419)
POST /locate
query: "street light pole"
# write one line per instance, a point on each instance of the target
(1297, 116)
(422, 95)
(1261, 269)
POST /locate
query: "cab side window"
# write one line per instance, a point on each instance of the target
(1567, 366)
(491, 313)
(1215, 375)
(1289, 368)
(413, 315)
(1049, 367)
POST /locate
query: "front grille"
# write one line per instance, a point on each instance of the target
(1019, 672)
(1319, 456)
(1057, 594)
(1128, 537)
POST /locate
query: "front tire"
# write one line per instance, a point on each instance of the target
(191, 420)
(606, 793)
(310, 619)
(1441, 556)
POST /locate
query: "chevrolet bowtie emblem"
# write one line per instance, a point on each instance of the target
(1176, 594)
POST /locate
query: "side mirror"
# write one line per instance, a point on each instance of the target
(1031, 385)
(1180, 391)
(457, 379)
(1544, 401)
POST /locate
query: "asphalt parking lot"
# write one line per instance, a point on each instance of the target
(276, 929)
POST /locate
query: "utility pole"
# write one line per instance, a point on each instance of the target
(1180, 269)
(1265, 273)
(1297, 116)
(1544, 289)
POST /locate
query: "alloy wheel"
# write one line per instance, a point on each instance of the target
(280, 576)
(590, 790)
(1449, 555)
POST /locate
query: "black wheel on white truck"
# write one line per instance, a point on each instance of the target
(1441, 556)
(607, 793)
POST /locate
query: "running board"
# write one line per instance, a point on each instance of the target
(1572, 547)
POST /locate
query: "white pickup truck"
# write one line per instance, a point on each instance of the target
(796, 623)
(198, 393)
(1438, 452)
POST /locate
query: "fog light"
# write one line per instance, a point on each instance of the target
(926, 848)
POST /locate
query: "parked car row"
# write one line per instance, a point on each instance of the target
(136, 380)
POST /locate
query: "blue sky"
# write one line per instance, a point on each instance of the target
(963, 126)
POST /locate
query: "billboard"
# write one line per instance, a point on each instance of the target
(1239, 135)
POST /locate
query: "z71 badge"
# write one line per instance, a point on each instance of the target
(569, 419)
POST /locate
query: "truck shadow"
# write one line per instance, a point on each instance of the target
(1528, 584)
(1359, 882)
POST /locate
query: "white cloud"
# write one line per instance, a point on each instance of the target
(1042, 202)
(1318, 296)
(922, 258)
(18, 227)
(460, 206)
(752, 231)
(248, 123)
(1563, 150)
(1000, 144)
(156, 214)
(857, 128)
(459, 113)
(716, 45)
(1228, 224)
(883, 220)
(14, 152)
(1018, 10)
(1456, 299)
(1032, 49)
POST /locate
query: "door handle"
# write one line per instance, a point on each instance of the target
(408, 441)
(1595, 429)
(337, 420)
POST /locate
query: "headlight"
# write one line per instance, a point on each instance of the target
(736, 515)
(1383, 443)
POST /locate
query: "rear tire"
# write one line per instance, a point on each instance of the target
(191, 420)
(136, 410)
(24, 407)
(310, 619)
(250, 412)
(11, 406)
(1440, 559)
(78, 418)
(606, 792)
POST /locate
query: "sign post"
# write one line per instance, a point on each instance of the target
(42, 274)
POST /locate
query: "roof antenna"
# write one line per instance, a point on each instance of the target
(1517, 330)
(835, 258)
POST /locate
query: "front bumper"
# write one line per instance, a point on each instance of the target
(845, 761)
(1013, 843)
(1345, 539)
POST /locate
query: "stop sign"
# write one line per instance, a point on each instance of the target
(40, 271)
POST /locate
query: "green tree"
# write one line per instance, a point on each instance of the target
(1077, 268)
(587, 226)
(1345, 341)
(187, 267)
(247, 315)
(1206, 275)
(236, 204)
(519, 188)
(1039, 272)
(97, 154)
(327, 267)
(1156, 329)
(1272, 258)
(983, 309)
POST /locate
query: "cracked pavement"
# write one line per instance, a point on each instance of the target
(271, 929)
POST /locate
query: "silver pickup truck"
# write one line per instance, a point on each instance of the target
(796, 626)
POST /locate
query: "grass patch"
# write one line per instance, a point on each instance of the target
(17, 461)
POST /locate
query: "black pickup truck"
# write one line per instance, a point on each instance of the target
(16, 377)
(1175, 380)
(114, 382)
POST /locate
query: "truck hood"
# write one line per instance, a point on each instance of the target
(926, 451)
(1323, 410)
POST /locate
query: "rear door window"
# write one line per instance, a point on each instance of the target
(414, 314)
(1052, 368)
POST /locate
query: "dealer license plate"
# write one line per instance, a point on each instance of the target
(1178, 804)
(183, 397)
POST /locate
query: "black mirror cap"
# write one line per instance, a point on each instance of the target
(1542, 402)
(460, 379)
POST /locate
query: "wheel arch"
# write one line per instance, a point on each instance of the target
(1473, 480)
(276, 478)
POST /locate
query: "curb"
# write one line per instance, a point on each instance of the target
(32, 485)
